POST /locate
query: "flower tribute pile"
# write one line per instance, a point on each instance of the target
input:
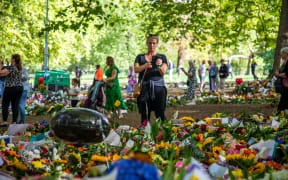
(235, 146)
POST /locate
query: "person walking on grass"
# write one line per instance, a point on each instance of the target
(253, 67)
(209, 70)
(171, 68)
(201, 73)
(214, 77)
(230, 72)
(223, 74)
(113, 94)
(191, 82)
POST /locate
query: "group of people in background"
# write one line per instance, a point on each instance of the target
(16, 88)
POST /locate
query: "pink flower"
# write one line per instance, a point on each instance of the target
(233, 151)
(179, 164)
(159, 137)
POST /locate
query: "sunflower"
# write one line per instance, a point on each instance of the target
(216, 151)
(117, 103)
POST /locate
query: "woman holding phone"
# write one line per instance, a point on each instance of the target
(151, 67)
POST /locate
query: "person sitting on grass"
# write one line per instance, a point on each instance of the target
(74, 92)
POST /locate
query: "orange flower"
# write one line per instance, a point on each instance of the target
(20, 147)
(13, 153)
(67, 171)
(81, 149)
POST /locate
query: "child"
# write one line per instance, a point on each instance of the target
(74, 92)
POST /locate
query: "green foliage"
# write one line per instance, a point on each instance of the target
(85, 32)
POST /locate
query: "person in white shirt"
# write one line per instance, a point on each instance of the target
(74, 92)
(201, 73)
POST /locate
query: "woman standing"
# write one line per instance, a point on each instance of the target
(191, 82)
(283, 73)
(153, 95)
(112, 90)
(13, 87)
(131, 79)
(22, 101)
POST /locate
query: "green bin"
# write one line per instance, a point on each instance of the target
(55, 80)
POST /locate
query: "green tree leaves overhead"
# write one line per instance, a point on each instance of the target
(84, 32)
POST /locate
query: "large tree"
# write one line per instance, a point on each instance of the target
(282, 38)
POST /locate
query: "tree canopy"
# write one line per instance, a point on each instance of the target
(84, 32)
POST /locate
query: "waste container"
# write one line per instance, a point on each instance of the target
(56, 80)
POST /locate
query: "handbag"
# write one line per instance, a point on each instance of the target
(278, 85)
(138, 87)
(285, 82)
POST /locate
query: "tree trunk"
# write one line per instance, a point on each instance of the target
(282, 39)
(180, 59)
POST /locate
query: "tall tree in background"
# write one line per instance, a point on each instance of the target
(282, 38)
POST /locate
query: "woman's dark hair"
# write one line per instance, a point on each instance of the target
(110, 61)
(74, 80)
(17, 60)
(153, 36)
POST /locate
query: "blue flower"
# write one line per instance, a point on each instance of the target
(136, 170)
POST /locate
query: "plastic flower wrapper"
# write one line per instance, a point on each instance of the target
(196, 171)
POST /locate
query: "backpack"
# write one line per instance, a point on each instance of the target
(213, 73)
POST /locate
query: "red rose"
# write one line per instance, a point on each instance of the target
(203, 127)
(219, 129)
(240, 147)
(197, 126)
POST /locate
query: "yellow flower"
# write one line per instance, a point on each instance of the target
(151, 154)
(117, 103)
(19, 165)
(174, 100)
(259, 167)
(116, 157)
(125, 157)
(238, 173)
(174, 129)
(207, 141)
(60, 161)
(76, 157)
(216, 151)
(187, 118)
(194, 178)
(38, 164)
(99, 158)
(209, 130)
(46, 174)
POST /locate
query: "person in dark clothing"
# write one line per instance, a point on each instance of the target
(253, 67)
(223, 73)
(154, 93)
(13, 87)
(283, 73)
